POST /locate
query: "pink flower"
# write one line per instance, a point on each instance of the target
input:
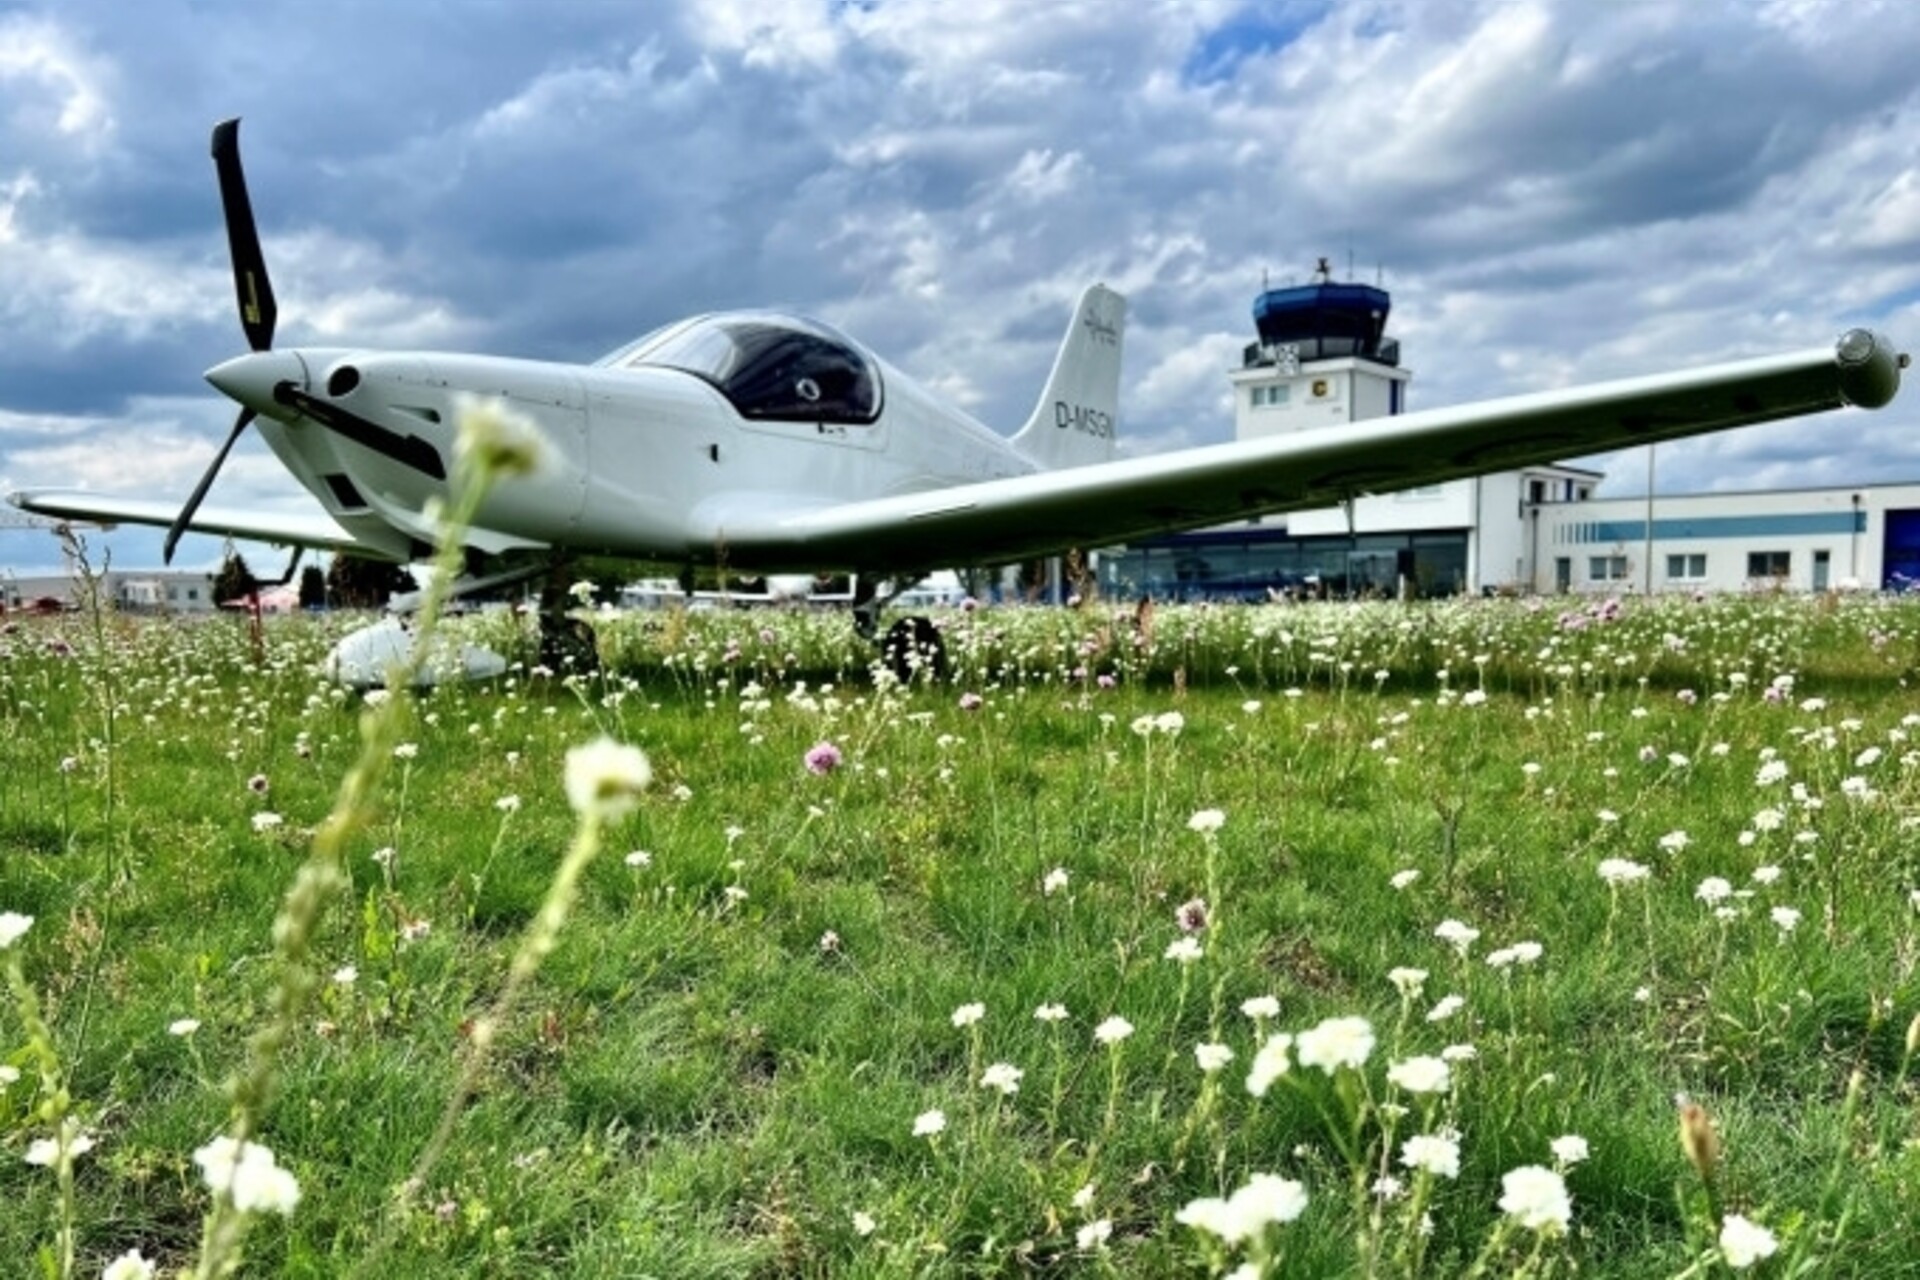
(970, 701)
(823, 758)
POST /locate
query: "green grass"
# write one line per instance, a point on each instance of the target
(701, 1082)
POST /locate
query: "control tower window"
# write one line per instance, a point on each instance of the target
(770, 367)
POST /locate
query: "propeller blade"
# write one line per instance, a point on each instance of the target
(185, 517)
(250, 283)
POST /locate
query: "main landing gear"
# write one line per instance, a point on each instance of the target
(912, 647)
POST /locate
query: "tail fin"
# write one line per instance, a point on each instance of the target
(1073, 423)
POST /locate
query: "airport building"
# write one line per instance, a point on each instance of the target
(1322, 357)
(140, 591)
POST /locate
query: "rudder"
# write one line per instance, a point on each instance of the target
(1073, 423)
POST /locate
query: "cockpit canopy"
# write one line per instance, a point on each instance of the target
(771, 367)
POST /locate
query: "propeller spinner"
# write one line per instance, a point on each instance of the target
(253, 290)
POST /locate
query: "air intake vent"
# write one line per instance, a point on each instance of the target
(343, 491)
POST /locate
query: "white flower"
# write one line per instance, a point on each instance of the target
(1212, 1057)
(1184, 950)
(128, 1266)
(508, 804)
(1055, 881)
(8, 1075)
(1536, 1198)
(1336, 1043)
(1527, 952)
(406, 751)
(1445, 1008)
(499, 440)
(183, 1026)
(1459, 1053)
(1744, 1242)
(1401, 879)
(604, 778)
(1207, 821)
(1258, 1007)
(1170, 722)
(346, 975)
(968, 1014)
(46, 1151)
(1675, 841)
(1420, 1075)
(1407, 981)
(1051, 1013)
(265, 821)
(1569, 1148)
(1003, 1076)
(1113, 1030)
(1437, 1153)
(1083, 1198)
(929, 1123)
(863, 1223)
(1765, 875)
(1266, 1198)
(1094, 1234)
(1619, 871)
(1457, 935)
(1786, 919)
(13, 926)
(1771, 772)
(1269, 1064)
(1713, 890)
(247, 1171)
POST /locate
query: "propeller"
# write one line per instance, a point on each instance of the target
(253, 290)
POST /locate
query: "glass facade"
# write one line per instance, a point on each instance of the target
(1258, 565)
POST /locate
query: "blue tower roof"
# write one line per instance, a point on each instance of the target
(1325, 320)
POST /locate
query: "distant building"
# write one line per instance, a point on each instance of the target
(1323, 358)
(136, 590)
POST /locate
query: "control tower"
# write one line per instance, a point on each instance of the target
(1323, 358)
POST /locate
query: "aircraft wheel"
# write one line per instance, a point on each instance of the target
(914, 648)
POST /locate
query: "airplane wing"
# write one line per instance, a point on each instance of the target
(83, 507)
(1111, 502)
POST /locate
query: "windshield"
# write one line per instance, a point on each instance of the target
(768, 366)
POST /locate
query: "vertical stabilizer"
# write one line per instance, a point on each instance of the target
(1073, 423)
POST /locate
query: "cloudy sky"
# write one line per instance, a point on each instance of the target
(1555, 192)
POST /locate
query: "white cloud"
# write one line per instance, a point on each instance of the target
(56, 86)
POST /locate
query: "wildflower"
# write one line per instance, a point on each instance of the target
(1003, 1076)
(1050, 1013)
(265, 821)
(1336, 1043)
(822, 758)
(1675, 841)
(639, 859)
(1113, 1030)
(1184, 950)
(1619, 871)
(1527, 952)
(1436, 1153)
(863, 1223)
(46, 1151)
(257, 784)
(1094, 1234)
(346, 975)
(968, 1014)
(1536, 1198)
(971, 701)
(1744, 1242)
(1407, 982)
(129, 1266)
(1257, 1007)
(1269, 1064)
(183, 1026)
(1765, 875)
(829, 943)
(1207, 821)
(8, 1075)
(13, 926)
(414, 930)
(508, 804)
(1786, 919)
(1569, 1148)
(1771, 772)
(1456, 935)
(1713, 890)
(1054, 881)
(1083, 1198)
(1459, 1053)
(384, 856)
(498, 440)
(1445, 1008)
(1170, 722)
(604, 778)
(1401, 879)
(1421, 1075)
(929, 1123)
(1191, 915)
(1212, 1057)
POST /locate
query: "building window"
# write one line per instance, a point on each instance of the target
(1271, 397)
(1607, 568)
(1769, 564)
(1582, 492)
(193, 593)
(1536, 491)
(1687, 568)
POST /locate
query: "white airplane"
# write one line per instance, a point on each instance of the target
(774, 444)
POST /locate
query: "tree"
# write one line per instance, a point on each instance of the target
(355, 582)
(234, 581)
(313, 588)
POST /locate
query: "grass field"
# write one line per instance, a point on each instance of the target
(979, 986)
